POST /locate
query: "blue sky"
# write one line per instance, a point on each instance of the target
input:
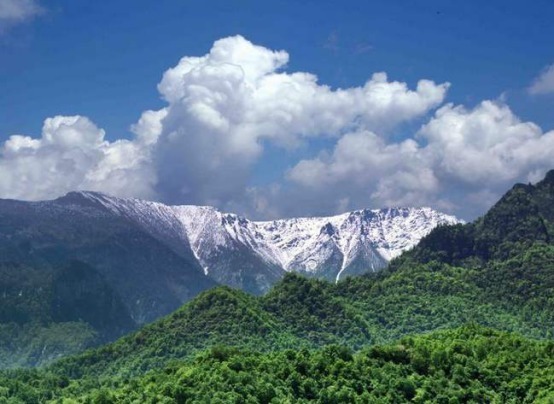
(104, 60)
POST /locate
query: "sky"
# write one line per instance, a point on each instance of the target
(277, 109)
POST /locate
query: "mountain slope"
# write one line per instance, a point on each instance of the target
(100, 266)
(72, 261)
(230, 249)
(523, 217)
(151, 278)
(324, 247)
(300, 312)
(218, 316)
(253, 255)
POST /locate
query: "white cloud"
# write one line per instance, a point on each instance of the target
(222, 109)
(544, 83)
(149, 127)
(70, 155)
(486, 145)
(461, 160)
(364, 170)
(225, 107)
(17, 11)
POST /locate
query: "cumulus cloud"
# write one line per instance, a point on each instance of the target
(71, 155)
(223, 110)
(17, 11)
(544, 83)
(364, 170)
(224, 106)
(461, 161)
(488, 144)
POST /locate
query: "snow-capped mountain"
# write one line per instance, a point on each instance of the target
(253, 255)
(129, 260)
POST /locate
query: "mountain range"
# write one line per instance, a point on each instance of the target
(467, 315)
(252, 255)
(97, 267)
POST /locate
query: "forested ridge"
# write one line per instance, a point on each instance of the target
(466, 316)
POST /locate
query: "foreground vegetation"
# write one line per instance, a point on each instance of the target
(468, 364)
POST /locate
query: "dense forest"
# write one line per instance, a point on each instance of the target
(467, 364)
(466, 316)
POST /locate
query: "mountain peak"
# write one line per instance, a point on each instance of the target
(253, 255)
(548, 178)
(82, 198)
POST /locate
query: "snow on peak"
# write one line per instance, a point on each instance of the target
(380, 235)
(328, 247)
(333, 245)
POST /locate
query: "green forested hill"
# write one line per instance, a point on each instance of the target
(45, 313)
(523, 217)
(467, 364)
(301, 312)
